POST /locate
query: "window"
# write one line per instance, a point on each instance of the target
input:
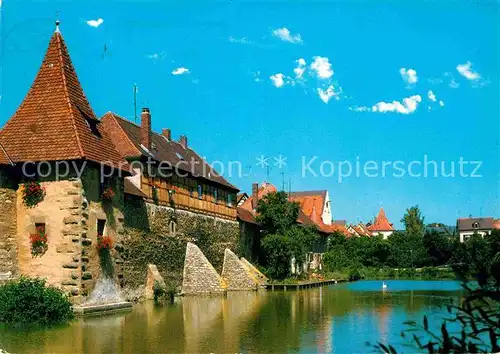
(475, 225)
(40, 229)
(215, 195)
(200, 191)
(230, 199)
(172, 227)
(100, 227)
(191, 192)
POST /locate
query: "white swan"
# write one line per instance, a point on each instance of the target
(384, 285)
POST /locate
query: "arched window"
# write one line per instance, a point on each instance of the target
(172, 227)
(475, 225)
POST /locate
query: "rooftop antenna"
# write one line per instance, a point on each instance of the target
(268, 168)
(283, 180)
(135, 103)
(289, 187)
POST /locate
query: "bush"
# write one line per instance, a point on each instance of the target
(160, 291)
(31, 301)
(354, 274)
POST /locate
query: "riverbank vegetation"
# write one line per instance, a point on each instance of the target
(32, 301)
(413, 253)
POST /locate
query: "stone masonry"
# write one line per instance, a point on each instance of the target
(153, 277)
(236, 275)
(8, 232)
(261, 278)
(199, 276)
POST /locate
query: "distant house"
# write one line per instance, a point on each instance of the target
(314, 211)
(359, 230)
(483, 226)
(441, 228)
(381, 225)
(240, 198)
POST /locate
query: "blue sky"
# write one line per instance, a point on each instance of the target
(334, 79)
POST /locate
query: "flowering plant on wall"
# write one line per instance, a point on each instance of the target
(107, 194)
(33, 193)
(38, 242)
(104, 242)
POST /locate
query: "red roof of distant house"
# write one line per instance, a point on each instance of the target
(55, 121)
(496, 223)
(381, 222)
(309, 200)
(264, 189)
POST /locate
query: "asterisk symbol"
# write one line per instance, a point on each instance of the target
(280, 161)
(262, 161)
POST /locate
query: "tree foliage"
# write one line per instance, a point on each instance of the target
(283, 239)
(31, 301)
(413, 221)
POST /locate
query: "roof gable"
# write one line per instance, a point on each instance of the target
(55, 121)
(381, 222)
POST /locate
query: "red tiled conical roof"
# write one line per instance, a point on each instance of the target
(381, 222)
(55, 121)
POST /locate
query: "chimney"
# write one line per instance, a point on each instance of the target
(146, 128)
(255, 195)
(167, 133)
(183, 140)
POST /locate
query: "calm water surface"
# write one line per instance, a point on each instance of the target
(341, 318)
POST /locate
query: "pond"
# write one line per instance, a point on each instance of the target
(339, 318)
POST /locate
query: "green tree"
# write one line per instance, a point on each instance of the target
(413, 221)
(439, 248)
(276, 213)
(283, 239)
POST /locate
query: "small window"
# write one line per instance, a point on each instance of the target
(215, 195)
(200, 191)
(172, 227)
(191, 192)
(229, 199)
(100, 227)
(475, 225)
(179, 156)
(40, 229)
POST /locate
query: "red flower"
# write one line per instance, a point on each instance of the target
(107, 194)
(104, 242)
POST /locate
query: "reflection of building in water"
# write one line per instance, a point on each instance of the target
(325, 336)
(384, 312)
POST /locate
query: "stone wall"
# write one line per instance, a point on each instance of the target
(199, 276)
(236, 275)
(164, 243)
(8, 231)
(61, 212)
(70, 211)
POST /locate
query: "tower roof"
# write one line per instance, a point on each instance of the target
(381, 222)
(55, 121)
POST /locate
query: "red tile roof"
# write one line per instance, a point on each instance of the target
(55, 120)
(127, 138)
(309, 200)
(381, 222)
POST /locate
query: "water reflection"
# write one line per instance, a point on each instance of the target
(340, 318)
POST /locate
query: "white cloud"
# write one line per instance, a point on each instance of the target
(466, 71)
(322, 67)
(431, 96)
(301, 67)
(180, 71)
(327, 94)
(407, 106)
(277, 80)
(285, 35)
(441, 103)
(409, 76)
(95, 23)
